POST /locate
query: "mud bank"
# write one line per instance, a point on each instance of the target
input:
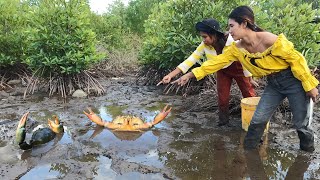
(186, 145)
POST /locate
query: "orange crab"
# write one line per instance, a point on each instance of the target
(128, 123)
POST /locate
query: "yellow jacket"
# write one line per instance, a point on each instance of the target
(209, 52)
(279, 56)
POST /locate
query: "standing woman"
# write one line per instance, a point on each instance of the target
(213, 44)
(266, 54)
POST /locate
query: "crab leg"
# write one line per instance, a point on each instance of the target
(94, 117)
(163, 114)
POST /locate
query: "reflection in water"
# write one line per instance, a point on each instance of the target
(209, 159)
(278, 163)
(128, 136)
(48, 171)
(150, 158)
(212, 158)
(298, 168)
(3, 143)
(109, 113)
(283, 165)
(42, 116)
(122, 135)
(106, 139)
(216, 159)
(61, 168)
(87, 158)
(132, 147)
(61, 138)
(104, 171)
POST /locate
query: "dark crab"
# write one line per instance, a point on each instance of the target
(40, 136)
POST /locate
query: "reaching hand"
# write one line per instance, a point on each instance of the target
(165, 80)
(313, 93)
(254, 83)
(183, 79)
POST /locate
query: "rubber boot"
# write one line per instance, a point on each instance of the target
(306, 141)
(253, 136)
(223, 118)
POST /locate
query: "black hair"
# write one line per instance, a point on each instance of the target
(220, 42)
(243, 14)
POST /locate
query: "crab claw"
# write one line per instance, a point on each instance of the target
(163, 114)
(56, 119)
(94, 117)
(21, 131)
(55, 125)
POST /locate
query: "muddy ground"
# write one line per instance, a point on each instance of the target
(186, 145)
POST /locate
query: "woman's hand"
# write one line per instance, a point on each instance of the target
(183, 79)
(313, 93)
(168, 77)
(165, 80)
(253, 82)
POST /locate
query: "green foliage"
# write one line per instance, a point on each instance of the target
(59, 37)
(111, 28)
(293, 18)
(170, 35)
(137, 12)
(11, 26)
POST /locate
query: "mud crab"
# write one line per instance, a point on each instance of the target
(128, 123)
(40, 136)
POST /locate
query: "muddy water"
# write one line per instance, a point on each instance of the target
(186, 145)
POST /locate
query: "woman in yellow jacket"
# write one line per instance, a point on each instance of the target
(266, 54)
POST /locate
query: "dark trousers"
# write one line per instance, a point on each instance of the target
(282, 85)
(224, 81)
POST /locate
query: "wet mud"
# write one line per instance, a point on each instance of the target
(186, 145)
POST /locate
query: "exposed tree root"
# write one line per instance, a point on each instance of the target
(152, 76)
(65, 85)
(9, 73)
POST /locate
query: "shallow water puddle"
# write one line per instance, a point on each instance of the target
(186, 145)
(150, 158)
(122, 140)
(218, 158)
(43, 116)
(104, 171)
(282, 165)
(46, 171)
(3, 143)
(135, 147)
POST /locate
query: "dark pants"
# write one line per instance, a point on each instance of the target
(224, 81)
(281, 85)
